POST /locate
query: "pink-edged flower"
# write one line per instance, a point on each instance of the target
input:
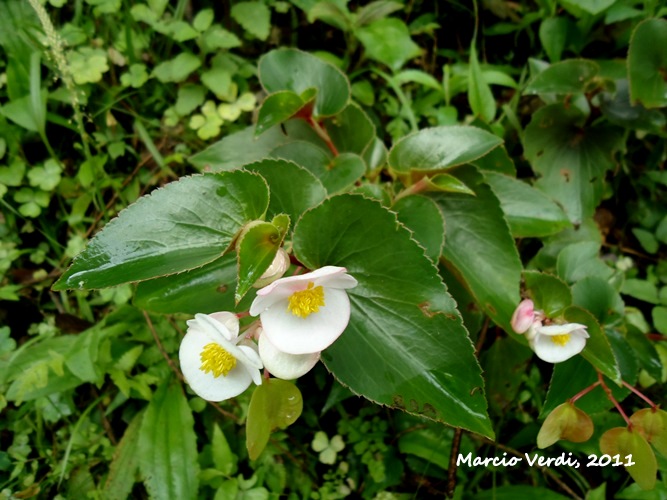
(523, 317)
(556, 343)
(216, 362)
(305, 314)
(283, 365)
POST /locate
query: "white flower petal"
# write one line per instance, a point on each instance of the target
(221, 329)
(283, 365)
(548, 350)
(295, 335)
(205, 385)
(562, 329)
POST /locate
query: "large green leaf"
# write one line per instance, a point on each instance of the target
(647, 63)
(292, 69)
(435, 149)
(423, 217)
(335, 172)
(405, 345)
(184, 225)
(240, 148)
(206, 289)
(351, 131)
(566, 77)
(294, 189)
(529, 212)
(570, 157)
(167, 445)
(479, 246)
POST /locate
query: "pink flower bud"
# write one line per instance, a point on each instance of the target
(523, 316)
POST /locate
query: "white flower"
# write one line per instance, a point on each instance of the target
(283, 365)
(556, 343)
(216, 362)
(305, 314)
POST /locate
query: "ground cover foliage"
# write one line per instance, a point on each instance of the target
(455, 157)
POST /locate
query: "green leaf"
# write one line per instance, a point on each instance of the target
(579, 260)
(276, 404)
(646, 239)
(504, 368)
(388, 41)
(255, 17)
(641, 289)
(277, 108)
(376, 10)
(238, 149)
(572, 376)
(124, 464)
(440, 148)
(553, 35)
(596, 295)
(647, 63)
(190, 97)
(529, 213)
(571, 159)
(203, 19)
(549, 292)
(177, 69)
(403, 323)
(626, 441)
(597, 351)
(256, 247)
(351, 131)
(478, 244)
(593, 7)
(446, 183)
(292, 69)
(167, 445)
(205, 290)
(293, 188)
(480, 97)
(336, 173)
(224, 459)
(21, 112)
(330, 13)
(567, 77)
(184, 225)
(423, 217)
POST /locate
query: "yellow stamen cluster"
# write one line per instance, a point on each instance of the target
(215, 359)
(561, 340)
(307, 301)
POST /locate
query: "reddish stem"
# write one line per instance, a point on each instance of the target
(638, 393)
(611, 397)
(656, 336)
(584, 392)
(322, 133)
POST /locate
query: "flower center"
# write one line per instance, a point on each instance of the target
(215, 359)
(307, 301)
(561, 340)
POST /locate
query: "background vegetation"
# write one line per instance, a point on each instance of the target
(105, 100)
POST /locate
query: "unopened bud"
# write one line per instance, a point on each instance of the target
(276, 270)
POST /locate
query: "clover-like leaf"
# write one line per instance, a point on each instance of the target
(565, 422)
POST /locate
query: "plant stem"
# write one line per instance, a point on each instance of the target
(638, 393)
(611, 397)
(322, 133)
(584, 392)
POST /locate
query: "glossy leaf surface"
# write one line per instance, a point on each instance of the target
(184, 225)
(405, 345)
